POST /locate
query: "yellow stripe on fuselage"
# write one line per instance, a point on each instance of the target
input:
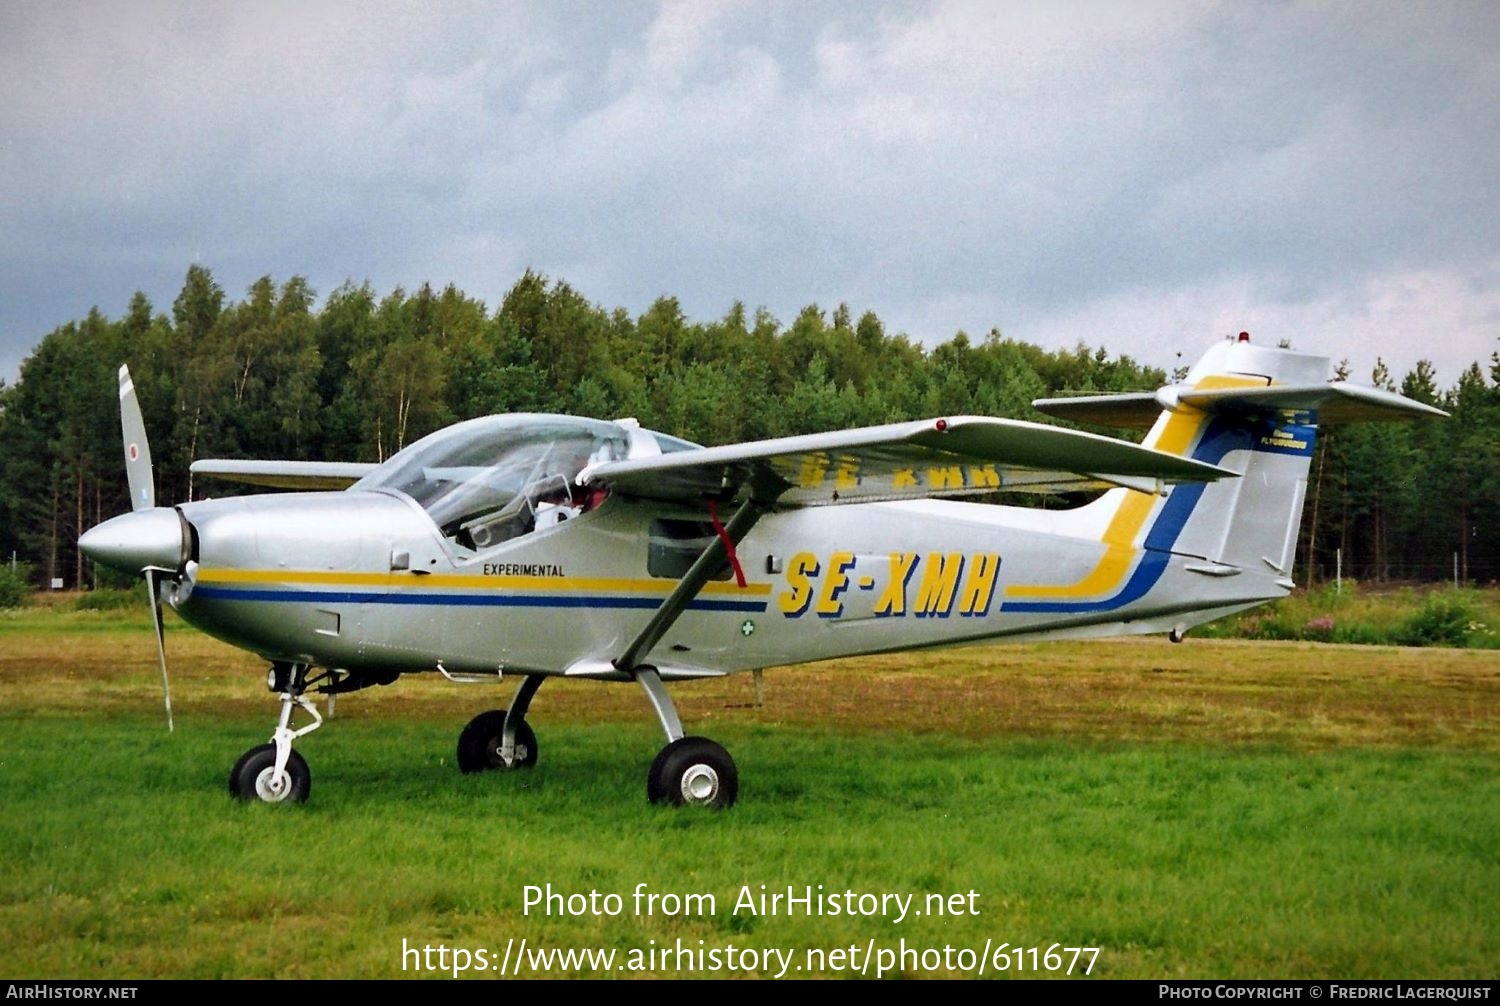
(407, 579)
(1124, 528)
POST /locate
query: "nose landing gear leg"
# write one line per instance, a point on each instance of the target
(273, 772)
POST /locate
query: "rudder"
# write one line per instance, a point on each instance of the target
(1255, 411)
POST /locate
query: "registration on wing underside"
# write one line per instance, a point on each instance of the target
(820, 478)
(937, 457)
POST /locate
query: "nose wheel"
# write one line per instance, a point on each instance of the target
(255, 777)
(273, 772)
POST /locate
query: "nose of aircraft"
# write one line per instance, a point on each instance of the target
(139, 540)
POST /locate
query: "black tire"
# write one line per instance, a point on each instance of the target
(693, 771)
(250, 779)
(479, 744)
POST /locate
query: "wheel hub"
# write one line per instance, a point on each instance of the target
(272, 786)
(700, 784)
(519, 753)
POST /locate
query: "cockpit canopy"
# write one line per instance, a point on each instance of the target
(488, 480)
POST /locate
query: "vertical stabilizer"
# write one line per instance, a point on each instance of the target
(1252, 521)
(1254, 410)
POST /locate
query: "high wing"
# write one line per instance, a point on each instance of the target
(285, 474)
(1336, 402)
(963, 455)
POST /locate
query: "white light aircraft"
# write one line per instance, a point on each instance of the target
(543, 545)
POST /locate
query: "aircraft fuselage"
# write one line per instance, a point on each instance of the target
(365, 581)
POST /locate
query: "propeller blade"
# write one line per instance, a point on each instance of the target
(138, 469)
(153, 584)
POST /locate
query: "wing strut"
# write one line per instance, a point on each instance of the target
(691, 583)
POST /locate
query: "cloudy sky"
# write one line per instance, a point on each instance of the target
(1145, 176)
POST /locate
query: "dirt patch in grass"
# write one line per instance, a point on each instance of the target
(1300, 695)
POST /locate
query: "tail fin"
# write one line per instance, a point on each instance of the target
(1253, 410)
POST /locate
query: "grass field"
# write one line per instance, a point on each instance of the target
(1211, 810)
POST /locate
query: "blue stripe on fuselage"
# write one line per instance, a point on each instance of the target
(466, 600)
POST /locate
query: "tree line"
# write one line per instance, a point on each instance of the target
(274, 375)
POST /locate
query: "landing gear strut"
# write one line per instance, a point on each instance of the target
(501, 738)
(689, 771)
(274, 773)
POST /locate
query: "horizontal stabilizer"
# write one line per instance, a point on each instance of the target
(1136, 410)
(937, 457)
(285, 474)
(1335, 403)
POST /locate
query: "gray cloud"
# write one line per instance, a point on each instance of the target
(1146, 176)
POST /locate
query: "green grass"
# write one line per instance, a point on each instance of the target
(124, 857)
(1351, 613)
(1210, 810)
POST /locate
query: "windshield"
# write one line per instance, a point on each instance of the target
(491, 479)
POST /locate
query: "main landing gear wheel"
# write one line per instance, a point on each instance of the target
(480, 745)
(693, 771)
(254, 777)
